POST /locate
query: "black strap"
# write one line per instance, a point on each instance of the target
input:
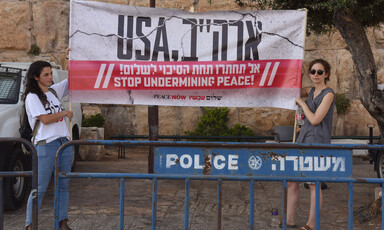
(34, 131)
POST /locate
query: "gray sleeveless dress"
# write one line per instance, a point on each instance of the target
(320, 133)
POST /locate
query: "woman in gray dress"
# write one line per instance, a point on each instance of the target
(318, 110)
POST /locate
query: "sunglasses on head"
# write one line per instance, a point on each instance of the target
(319, 72)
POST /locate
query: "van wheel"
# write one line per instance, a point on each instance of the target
(16, 188)
(379, 164)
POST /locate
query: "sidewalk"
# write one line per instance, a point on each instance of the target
(94, 203)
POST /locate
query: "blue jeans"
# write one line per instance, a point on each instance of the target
(46, 163)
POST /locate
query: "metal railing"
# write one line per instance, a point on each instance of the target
(121, 148)
(32, 174)
(219, 178)
(243, 138)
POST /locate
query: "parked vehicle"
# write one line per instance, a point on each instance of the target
(379, 162)
(377, 158)
(12, 156)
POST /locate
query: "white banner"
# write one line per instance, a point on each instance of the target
(123, 54)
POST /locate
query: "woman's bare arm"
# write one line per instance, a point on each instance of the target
(51, 118)
(322, 110)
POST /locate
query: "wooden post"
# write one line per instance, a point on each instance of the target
(70, 123)
(153, 122)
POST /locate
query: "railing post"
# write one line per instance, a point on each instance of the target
(219, 202)
(317, 205)
(154, 203)
(284, 205)
(35, 213)
(251, 204)
(350, 205)
(122, 194)
(186, 205)
(57, 193)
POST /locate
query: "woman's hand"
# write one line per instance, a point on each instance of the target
(68, 114)
(316, 118)
(300, 102)
(67, 52)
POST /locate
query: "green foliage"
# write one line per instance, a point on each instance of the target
(214, 123)
(320, 12)
(342, 104)
(240, 130)
(93, 121)
(239, 2)
(34, 51)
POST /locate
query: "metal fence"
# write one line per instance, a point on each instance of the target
(32, 174)
(278, 136)
(336, 167)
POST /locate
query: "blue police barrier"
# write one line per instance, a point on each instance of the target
(238, 162)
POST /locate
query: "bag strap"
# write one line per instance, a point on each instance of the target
(54, 93)
(34, 131)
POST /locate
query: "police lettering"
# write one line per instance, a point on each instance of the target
(186, 161)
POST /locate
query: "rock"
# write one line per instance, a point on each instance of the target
(368, 213)
(15, 27)
(89, 110)
(91, 152)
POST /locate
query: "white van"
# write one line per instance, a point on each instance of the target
(12, 157)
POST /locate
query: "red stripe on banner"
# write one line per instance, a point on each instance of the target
(136, 75)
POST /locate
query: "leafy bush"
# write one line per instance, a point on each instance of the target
(240, 130)
(93, 121)
(214, 123)
(342, 103)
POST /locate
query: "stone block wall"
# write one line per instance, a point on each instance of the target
(45, 23)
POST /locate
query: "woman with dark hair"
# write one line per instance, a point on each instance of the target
(43, 105)
(318, 110)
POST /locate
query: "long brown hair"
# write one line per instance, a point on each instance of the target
(32, 87)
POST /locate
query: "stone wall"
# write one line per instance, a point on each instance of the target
(45, 23)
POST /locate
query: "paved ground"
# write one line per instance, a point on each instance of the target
(94, 203)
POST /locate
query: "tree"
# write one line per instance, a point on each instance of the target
(350, 18)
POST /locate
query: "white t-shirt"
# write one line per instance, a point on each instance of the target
(35, 108)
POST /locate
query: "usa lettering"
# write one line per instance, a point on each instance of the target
(133, 43)
(309, 163)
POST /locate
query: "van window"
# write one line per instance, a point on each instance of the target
(10, 80)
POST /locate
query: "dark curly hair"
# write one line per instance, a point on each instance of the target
(32, 87)
(327, 67)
